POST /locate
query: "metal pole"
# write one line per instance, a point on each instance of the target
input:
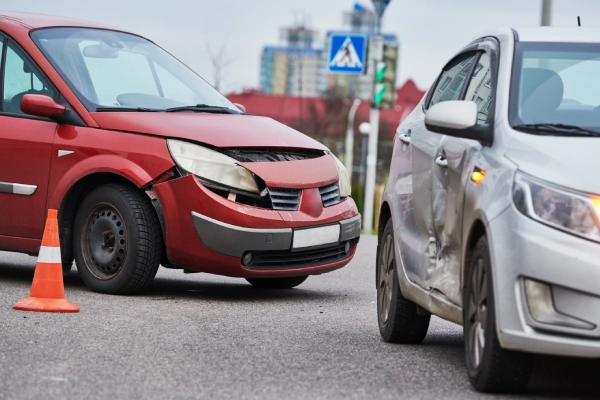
(546, 12)
(349, 159)
(363, 160)
(373, 139)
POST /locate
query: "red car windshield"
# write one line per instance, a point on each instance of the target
(111, 70)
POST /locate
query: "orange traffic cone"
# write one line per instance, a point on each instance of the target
(47, 290)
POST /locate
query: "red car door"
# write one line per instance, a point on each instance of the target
(25, 146)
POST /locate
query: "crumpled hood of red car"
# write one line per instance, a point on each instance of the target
(219, 130)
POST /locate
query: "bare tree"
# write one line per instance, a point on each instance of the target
(219, 60)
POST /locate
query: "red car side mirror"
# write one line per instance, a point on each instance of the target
(41, 106)
(241, 107)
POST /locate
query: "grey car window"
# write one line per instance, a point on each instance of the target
(480, 87)
(452, 80)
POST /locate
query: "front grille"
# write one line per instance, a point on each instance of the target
(259, 155)
(304, 258)
(330, 194)
(285, 199)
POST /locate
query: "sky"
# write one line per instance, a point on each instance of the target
(430, 31)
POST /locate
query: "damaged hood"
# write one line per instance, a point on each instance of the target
(300, 174)
(219, 130)
(572, 162)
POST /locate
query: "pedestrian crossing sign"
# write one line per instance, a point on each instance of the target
(347, 54)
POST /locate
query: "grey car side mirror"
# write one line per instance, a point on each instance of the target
(457, 118)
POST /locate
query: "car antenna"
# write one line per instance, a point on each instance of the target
(578, 21)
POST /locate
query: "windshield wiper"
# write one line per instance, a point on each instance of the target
(124, 109)
(204, 108)
(557, 129)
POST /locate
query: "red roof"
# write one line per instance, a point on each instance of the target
(319, 117)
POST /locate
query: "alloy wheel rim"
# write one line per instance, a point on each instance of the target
(386, 279)
(105, 242)
(477, 314)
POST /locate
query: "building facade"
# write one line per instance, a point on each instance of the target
(298, 69)
(292, 71)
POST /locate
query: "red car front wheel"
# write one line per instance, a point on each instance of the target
(118, 240)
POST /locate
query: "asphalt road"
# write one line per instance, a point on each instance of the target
(202, 336)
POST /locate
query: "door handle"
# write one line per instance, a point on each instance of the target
(405, 137)
(442, 161)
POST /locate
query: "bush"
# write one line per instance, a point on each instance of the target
(358, 195)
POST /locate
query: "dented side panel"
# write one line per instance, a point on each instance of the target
(448, 195)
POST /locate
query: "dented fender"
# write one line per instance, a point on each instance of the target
(137, 158)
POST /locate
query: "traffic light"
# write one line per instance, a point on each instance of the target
(385, 85)
(380, 87)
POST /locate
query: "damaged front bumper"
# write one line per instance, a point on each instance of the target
(234, 240)
(206, 232)
(279, 248)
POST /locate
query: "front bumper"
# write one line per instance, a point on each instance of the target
(208, 233)
(234, 240)
(523, 249)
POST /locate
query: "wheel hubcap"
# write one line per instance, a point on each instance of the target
(477, 313)
(107, 242)
(386, 279)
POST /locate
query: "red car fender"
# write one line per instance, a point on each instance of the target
(138, 158)
(104, 163)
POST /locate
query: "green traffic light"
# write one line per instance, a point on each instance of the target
(381, 68)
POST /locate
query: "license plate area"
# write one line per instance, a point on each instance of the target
(314, 237)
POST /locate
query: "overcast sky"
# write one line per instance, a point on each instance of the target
(430, 31)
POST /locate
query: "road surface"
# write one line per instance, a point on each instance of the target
(203, 336)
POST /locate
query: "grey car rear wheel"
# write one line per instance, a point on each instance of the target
(490, 368)
(398, 319)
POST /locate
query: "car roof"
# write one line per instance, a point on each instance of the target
(546, 34)
(559, 34)
(30, 21)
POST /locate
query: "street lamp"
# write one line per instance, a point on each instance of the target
(364, 128)
(377, 51)
(546, 12)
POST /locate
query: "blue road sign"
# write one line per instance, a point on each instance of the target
(347, 54)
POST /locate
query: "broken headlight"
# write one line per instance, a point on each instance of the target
(572, 212)
(211, 165)
(345, 187)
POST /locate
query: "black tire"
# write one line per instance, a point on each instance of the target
(66, 268)
(277, 283)
(490, 368)
(117, 240)
(397, 316)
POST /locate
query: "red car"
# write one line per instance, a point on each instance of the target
(148, 164)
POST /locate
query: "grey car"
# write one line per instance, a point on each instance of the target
(491, 214)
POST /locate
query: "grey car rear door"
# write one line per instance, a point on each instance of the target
(406, 228)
